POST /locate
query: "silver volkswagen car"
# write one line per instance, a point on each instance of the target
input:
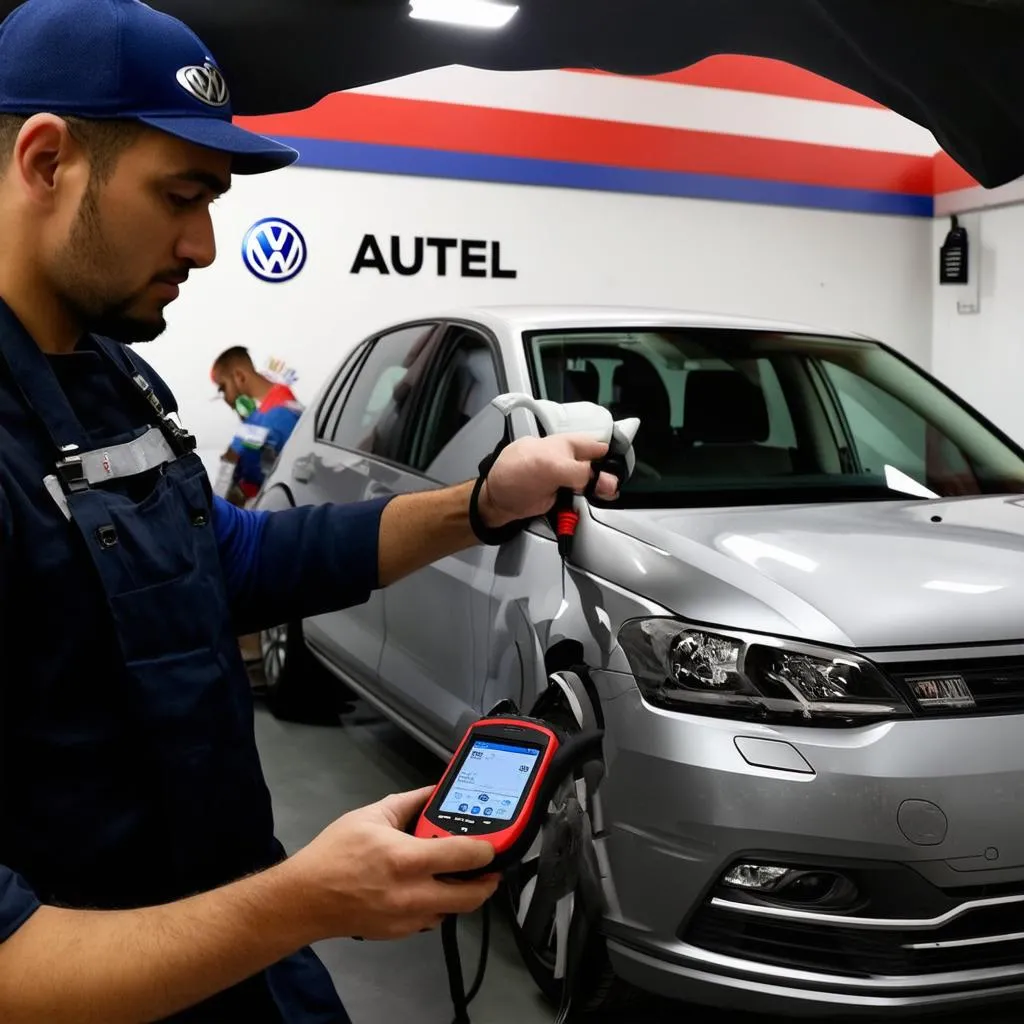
(801, 627)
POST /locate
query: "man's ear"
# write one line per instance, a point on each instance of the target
(46, 156)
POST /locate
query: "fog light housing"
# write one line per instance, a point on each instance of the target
(817, 889)
(811, 888)
(756, 877)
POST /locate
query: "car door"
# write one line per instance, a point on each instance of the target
(438, 619)
(358, 433)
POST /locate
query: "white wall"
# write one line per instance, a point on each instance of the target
(843, 271)
(981, 355)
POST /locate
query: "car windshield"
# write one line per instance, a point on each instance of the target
(755, 417)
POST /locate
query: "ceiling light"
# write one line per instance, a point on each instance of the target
(475, 13)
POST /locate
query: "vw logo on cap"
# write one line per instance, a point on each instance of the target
(205, 83)
(274, 250)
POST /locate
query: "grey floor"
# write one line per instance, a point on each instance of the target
(316, 773)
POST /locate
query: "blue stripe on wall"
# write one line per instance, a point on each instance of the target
(431, 163)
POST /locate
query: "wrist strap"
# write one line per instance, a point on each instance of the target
(492, 536)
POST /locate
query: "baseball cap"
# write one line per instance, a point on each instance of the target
(123, 59)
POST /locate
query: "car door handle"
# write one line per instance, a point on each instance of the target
(302, 470)
(376, 489)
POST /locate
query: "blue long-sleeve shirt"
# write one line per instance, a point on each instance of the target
(285, 565)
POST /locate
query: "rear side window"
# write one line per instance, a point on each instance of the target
(376, 407)
(464, 387)
(334, 400)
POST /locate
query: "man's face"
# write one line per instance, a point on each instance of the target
(135, 237)
(230, 384)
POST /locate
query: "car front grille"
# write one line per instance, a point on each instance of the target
(996, 684)
(985, 937)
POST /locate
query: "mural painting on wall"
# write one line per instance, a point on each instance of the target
(280, 372)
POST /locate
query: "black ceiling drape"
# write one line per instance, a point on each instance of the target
(955, 66)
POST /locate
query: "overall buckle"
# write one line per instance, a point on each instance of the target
(71, 471)
(180, 440)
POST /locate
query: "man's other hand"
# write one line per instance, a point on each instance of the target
(526, 477)
(365, 876)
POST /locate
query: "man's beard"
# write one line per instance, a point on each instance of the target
(82, 291)
(117, 324)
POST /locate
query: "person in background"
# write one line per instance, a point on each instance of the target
(268, 410)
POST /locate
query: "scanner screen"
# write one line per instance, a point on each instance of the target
(491, 781)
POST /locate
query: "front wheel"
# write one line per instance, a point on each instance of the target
(540, 924)
(298, 687)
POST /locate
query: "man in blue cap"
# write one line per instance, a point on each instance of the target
(139, 874)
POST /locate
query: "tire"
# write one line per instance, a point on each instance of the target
(298, 688)
(597, 988)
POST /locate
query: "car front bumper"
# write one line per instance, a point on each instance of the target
(923, 816)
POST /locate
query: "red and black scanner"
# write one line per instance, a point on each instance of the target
(498, 787)
(500, 782)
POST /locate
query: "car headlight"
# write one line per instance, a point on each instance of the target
(741, 675)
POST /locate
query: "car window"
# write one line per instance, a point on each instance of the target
(447, 441)
(733, 416)
(602, 378)
(376, 409)
(781, 431)
(334, 396)
(889, 436)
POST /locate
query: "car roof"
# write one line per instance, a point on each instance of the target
(541, 317)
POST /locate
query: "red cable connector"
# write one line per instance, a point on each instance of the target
(567, 523)
(566, 520)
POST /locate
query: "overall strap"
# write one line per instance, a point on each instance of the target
(33, 377)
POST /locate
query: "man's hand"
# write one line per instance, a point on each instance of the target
(418, 529)
(527, 475)
(364, 876)
(361, 876)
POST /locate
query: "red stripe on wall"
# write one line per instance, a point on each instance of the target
(353, 117)
(760, 75)
(949, 176)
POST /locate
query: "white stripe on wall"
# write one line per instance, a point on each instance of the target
(977, 198)
(667, 105)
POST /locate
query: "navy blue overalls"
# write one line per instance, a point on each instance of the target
(130, 769)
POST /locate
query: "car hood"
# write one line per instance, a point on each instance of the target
(867, 575)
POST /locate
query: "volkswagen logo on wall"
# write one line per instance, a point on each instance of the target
(274, 250)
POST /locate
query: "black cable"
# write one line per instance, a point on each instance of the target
(584, 919)
(568, 754)
(453, 961)
(456, 983)
(485, 938)
(575, 940)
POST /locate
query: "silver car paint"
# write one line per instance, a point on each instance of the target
(859, 575)
(680, 800)
(701, 805)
